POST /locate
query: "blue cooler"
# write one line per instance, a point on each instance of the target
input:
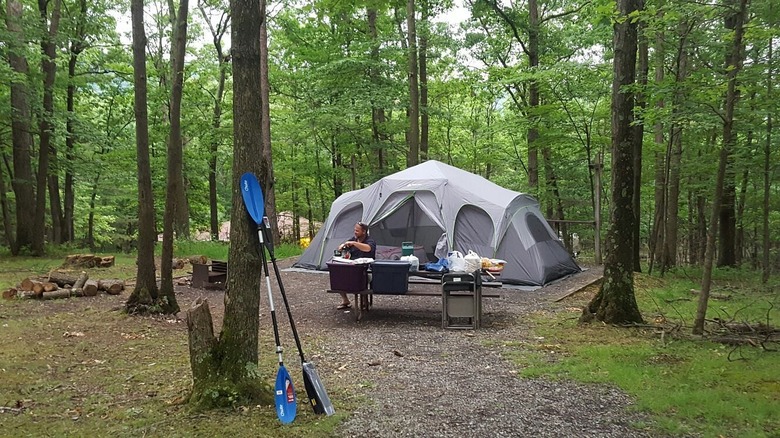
(390, 277)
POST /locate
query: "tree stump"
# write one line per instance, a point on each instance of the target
(201, 338)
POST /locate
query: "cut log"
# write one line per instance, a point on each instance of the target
(48, 286)
(37, 288)
(106, 262)
(82, 260)
(90, 288)
(53, 295)
(77, 292)
(198, 259)
(111, 286)
(79, 283)
(26, 294)
(63, 278)
(27, 284)
(9, 294)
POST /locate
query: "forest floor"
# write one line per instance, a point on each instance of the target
(397, 372)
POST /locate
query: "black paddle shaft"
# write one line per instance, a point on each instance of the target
(270, 245)
(260, 235)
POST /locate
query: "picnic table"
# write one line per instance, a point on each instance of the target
(363, 299)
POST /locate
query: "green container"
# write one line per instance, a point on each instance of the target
(407, 248)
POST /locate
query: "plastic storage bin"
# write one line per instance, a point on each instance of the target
(348, 277)
(407, 248)
(390, 277)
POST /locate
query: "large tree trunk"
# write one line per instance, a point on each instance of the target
(46, 125)
(174, 192)
(146, 283)
(225, 371)
(22, 181)
(656, 243)
(413, 133)
(615, 302)
(735, 20)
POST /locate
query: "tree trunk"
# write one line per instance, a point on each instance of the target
(734, 59)
(533, 97)
(46, 125)
(146, 282)
(225, 371)
(615, 302)
(766, 269)
(377, 112)
(8, 231)
(424, 81)
(175, 191)
(656, 243)
(413, 133)
(639, 133)
(216, 118)
(77, 45)
(22, 181)
(267, 165)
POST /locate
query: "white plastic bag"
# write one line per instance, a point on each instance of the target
(415, 262)
(472, 261)
(456, 261)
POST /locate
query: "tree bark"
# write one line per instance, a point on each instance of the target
(615, 302)
(533, 97)
(22, 181)
(146, 281)
(735, 21)
(377, 112)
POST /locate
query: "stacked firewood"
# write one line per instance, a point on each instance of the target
(60, 284)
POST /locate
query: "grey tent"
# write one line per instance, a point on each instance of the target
(423, 202)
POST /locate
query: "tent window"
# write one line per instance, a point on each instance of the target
(344, 225)
(536, 227)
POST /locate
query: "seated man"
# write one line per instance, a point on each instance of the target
(359, 246)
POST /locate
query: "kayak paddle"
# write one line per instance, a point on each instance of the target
(315, 390)
(284, 391)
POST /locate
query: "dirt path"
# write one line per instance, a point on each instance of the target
(418, 379)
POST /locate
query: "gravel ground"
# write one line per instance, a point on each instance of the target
(420, 380)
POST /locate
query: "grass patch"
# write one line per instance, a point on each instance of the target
(75, 368)
(687, 385)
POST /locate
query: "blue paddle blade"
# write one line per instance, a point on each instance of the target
(253, 197)
(284, 398)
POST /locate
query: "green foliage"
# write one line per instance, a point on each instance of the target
(689, 386)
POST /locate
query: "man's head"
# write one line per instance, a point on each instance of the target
(361, 230)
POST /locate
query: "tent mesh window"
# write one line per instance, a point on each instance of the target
(408, 223)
